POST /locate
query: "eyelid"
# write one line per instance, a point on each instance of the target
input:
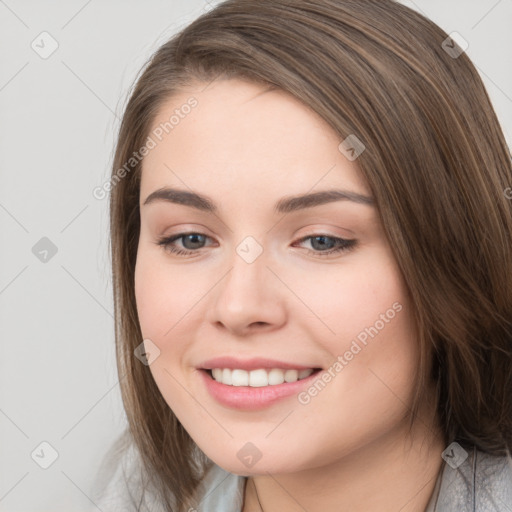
(310, 232)
(344, 245)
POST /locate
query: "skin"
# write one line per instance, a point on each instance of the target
(347, 448)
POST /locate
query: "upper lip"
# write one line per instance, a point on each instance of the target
(251, 364)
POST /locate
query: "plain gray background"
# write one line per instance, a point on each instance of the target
(59, 118)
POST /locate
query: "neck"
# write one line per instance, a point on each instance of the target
(394, 472)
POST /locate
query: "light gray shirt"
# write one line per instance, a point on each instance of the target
(482, 483)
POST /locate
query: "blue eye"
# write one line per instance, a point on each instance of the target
(191, 239)
(332, 243)
(323, 245)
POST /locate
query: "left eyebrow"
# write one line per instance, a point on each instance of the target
(284, 205)
(294, 203)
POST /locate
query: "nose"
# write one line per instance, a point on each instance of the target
(249, 298)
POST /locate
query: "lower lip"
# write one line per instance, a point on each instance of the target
(249, 398)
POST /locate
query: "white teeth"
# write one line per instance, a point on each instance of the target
(305, 373)
(238, 377)
(226, 376)
(258, 378)
(291, 375)
(275, 377)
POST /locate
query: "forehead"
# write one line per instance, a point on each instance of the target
(242, 135)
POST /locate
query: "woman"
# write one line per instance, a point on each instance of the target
(312, 276)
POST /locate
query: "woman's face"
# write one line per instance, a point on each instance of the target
(268, 287)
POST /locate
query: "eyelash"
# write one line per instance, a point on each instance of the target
(344, 244)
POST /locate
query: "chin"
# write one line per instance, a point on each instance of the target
(275, 463)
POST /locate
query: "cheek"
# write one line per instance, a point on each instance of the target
(150, 297)
(369, 333)
(364, 297)
(163, 298)
(164, 294)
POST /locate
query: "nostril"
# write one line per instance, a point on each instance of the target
(259, 323)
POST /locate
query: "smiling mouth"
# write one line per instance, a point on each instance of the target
(260, 377)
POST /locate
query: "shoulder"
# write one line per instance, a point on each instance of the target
(475, 481)
(121, 485)
(493, 482)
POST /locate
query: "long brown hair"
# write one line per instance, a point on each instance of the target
(437, 165)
